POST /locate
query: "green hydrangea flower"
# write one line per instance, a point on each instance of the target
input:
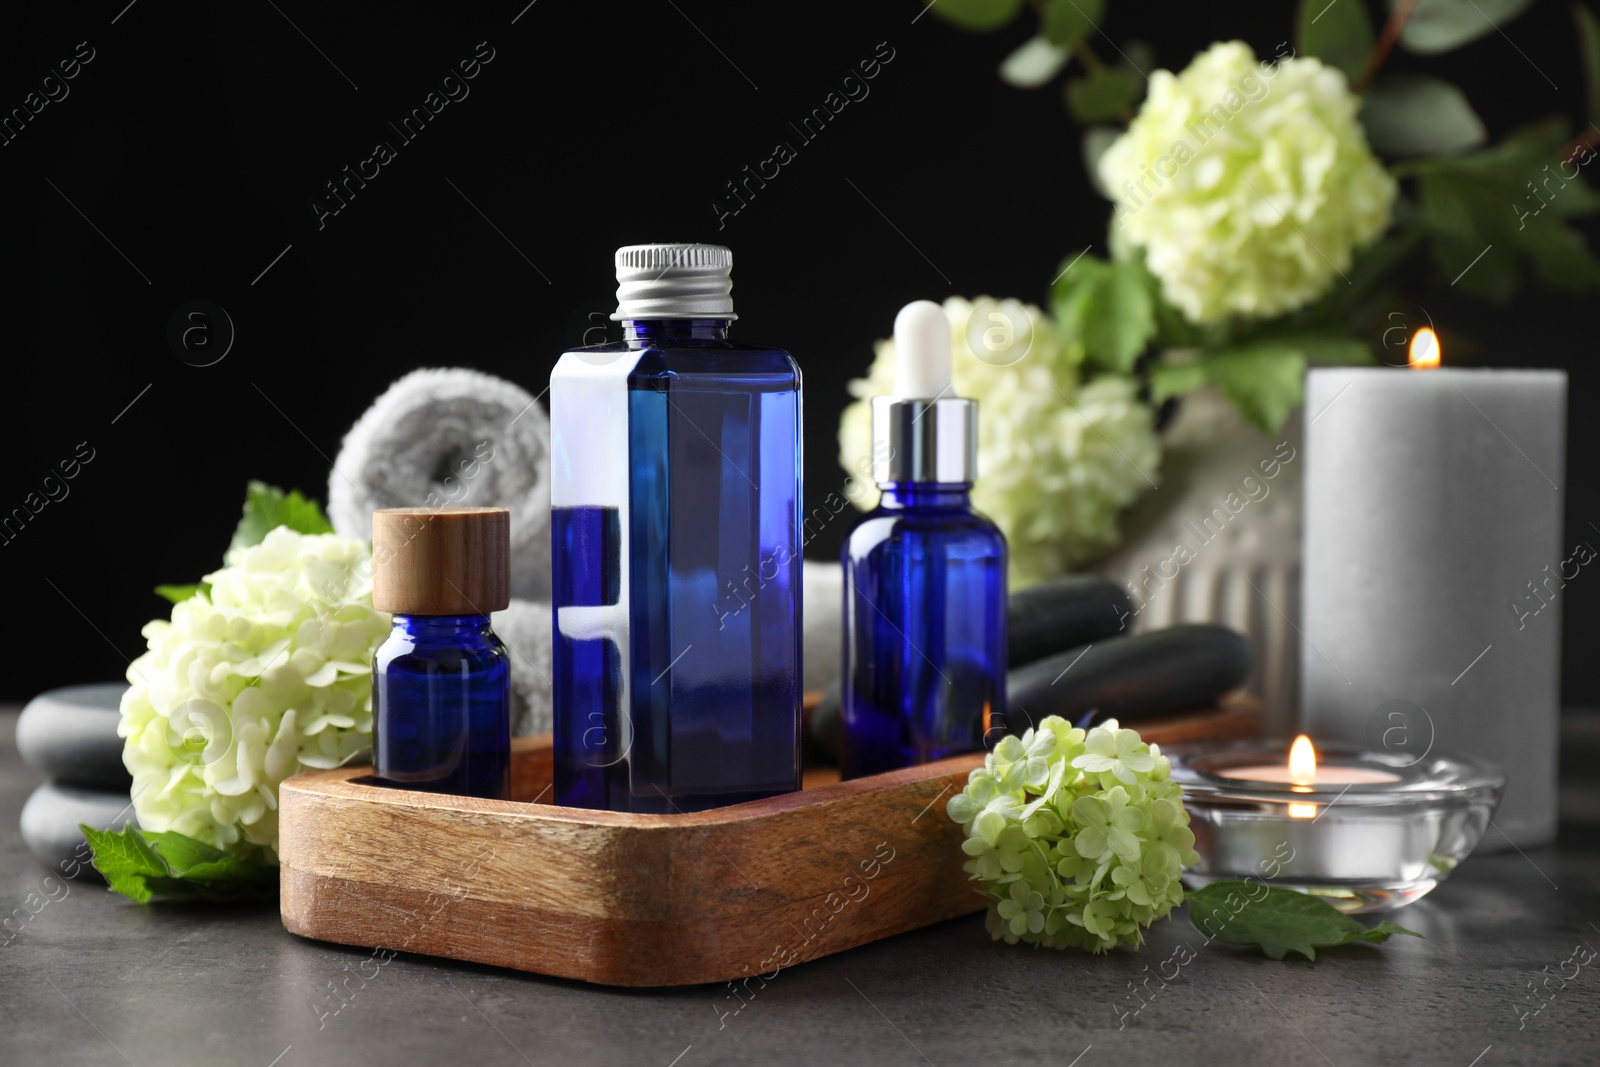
(1077, 839)
(1120, 754)
(1023, 910)
(1249, 186)
(1107, 827)
(1058, 458)
(1024, 763)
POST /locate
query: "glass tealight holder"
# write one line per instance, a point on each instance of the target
(1372, 832)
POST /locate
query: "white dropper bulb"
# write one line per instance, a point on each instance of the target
(921, 351)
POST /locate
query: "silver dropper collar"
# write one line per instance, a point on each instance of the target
(924, 441)
(674, 281)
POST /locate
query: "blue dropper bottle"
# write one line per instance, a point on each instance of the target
(924, 574)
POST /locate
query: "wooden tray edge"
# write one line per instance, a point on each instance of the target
(562, 894)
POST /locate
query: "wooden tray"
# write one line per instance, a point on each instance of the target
(639, 900)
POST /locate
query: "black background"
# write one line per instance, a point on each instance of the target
(199, 135)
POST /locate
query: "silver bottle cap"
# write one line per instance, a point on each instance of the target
(924, 441)
(674, 281)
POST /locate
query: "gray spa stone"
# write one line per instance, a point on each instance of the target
(51, 817)
(1125, 678)
(70, 734)
(1131, 678)
(1063, 613)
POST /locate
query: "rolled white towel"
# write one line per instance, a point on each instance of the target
(525, 629)
(821, 641)
(452, 438)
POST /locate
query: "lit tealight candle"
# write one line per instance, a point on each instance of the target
(1303, 770)
(1302, 774)
(1357, 830)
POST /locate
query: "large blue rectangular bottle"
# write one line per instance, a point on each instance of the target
(676, 518)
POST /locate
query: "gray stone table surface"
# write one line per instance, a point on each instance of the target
(92, 979)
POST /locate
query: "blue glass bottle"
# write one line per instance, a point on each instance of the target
(924, 578)
(441, 681)
(925, 648)
(676, 524)
(441, 698)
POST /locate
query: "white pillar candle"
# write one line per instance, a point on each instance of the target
(1433, 571)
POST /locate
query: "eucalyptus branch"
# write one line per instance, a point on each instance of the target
(1584, 140)
(1386, 42)
(1091, 62)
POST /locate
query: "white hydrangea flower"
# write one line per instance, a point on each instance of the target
(1057, 460)
(1250, 186)
(269, 675)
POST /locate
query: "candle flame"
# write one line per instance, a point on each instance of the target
(1302, 761)
(1424, 351)
(1303, 773)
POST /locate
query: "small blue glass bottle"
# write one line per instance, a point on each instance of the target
(441, 682)
(924, 576)
(676, 524)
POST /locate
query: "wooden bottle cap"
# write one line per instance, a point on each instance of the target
(441, 561)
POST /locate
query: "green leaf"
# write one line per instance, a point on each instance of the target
(179, 593)
(1589, 49)
(181, 853)
(1441, 25)
(1278, 920)
(1168, 380)
(1374, 275)
(981, 15)
(144, 866)
(1109, 308)
(1066, 21)
(1338, 33)
(1103, 95)
(1122, 319)
(1561, 258)
(1033, 64)
(1380, 933)
(1419, 115)
(1138, 58)
(1322, 349)
(1265, 380)
(1173, 330)
(125, 859)
(267, 507)
(1076, 271)
(1490, 214)
(197, 863)
(1261, 375)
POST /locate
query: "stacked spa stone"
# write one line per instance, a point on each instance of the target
(70, 734)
